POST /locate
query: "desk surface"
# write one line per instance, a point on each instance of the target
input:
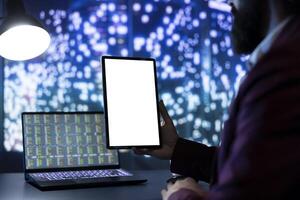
(13, 187)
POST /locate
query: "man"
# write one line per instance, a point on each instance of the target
(259, 157)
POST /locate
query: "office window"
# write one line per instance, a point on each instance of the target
(198, 75)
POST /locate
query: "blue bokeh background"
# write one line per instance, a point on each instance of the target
(198, 74)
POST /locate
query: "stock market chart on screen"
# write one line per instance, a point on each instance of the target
(198, 73)
(62, 140)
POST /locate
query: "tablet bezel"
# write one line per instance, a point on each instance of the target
(106, 107)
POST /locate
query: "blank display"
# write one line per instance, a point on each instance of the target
(130, 98)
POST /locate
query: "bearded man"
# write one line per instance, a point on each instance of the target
(259, 157)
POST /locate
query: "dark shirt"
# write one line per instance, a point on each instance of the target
(259, 157)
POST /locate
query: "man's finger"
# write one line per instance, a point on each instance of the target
(163, 193)
(189, 180)
(169, 185)
(163, 111)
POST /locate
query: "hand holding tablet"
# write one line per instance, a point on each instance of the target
(169, 137)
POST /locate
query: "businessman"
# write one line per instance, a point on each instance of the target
(259, 157)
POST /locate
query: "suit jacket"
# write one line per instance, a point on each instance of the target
(259, 157)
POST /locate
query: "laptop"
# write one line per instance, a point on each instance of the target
(68, 150)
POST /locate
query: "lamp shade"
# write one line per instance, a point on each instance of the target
(21, 36)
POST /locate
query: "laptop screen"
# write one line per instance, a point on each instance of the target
(66, 140)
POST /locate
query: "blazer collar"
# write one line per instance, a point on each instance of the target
(266, 44)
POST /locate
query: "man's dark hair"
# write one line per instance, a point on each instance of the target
(292, 6)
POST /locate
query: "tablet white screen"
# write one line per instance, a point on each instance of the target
(131, 102)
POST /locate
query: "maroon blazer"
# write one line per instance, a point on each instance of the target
(259, 157)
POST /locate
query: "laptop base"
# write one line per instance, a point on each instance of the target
(85, 183)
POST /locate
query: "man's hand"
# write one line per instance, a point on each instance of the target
(168, 137)
(187, 183)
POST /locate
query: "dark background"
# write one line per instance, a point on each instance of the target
(198, 75)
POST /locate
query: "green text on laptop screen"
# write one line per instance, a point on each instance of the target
(62, 140)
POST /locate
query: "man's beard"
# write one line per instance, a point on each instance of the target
(247, 29)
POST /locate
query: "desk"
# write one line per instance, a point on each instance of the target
(13, 187)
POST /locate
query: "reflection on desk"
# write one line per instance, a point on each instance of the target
(13, 187)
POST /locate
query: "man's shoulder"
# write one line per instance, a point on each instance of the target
(290, 36)
(285, 51)
(279, 69)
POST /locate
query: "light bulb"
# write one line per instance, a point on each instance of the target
(24, 42)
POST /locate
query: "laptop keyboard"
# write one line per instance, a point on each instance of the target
(64, 175)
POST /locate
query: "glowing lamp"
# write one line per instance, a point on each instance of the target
(21, 36)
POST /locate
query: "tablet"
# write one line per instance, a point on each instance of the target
(130, 102)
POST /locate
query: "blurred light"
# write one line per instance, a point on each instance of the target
(122, 30)
(93, 19)
(136, 7)
(148, 8)
(203, 15)
(111, 7)
(19, 33)
(195, 23)
(166, 20)
(124, 18)
(111, 30)
(115, 18)
(20, 43)
(112, 41)
(124, 52)
(169, 9)
(219, 6)
(145, 19)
